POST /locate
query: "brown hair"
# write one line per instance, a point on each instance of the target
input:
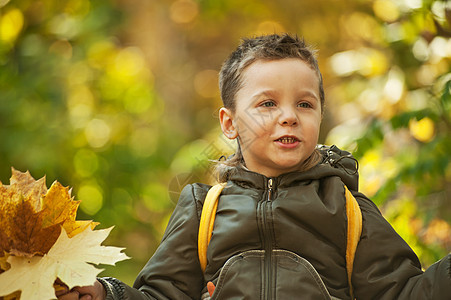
(267, 47)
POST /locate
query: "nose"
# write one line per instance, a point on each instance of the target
(288, 117)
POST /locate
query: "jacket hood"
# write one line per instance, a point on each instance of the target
(335, 162)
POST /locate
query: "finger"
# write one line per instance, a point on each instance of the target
(60, 287)
(211, 288)
(70, 296)
(95, 291)
(90, 289)
(86, 297)
(61, 291)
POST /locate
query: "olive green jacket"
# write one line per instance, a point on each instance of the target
(285, 238)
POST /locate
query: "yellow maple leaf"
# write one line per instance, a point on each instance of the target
(69, 259)
(30, 188)
(58, 207)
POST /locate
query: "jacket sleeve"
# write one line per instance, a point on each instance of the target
(385, 267)
(173, 272)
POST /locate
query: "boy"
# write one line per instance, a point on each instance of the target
(280, 230)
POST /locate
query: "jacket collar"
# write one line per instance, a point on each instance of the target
(335, 163)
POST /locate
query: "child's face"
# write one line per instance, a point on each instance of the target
(277, 116)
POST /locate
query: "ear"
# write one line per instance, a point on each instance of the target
(227, 123)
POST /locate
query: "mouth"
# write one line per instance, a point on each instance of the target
(288, 140)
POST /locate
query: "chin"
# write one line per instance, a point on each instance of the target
(290, 167)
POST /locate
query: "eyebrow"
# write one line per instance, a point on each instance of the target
(311, 94)
(267, 93)
(270, 93)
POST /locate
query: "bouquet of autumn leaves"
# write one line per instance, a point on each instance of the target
(42, 247)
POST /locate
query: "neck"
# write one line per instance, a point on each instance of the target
(314, 159)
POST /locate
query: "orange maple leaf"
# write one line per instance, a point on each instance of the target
(31, 216)
(27, 235)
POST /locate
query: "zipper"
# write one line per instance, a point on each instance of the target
(270, 182)
(268, 240)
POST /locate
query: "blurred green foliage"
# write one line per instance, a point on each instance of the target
(118, 100)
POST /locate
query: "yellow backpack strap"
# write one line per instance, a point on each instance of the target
(207, 221)
(354, 231)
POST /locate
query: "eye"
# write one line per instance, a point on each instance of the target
(268, 103)
(304, 105)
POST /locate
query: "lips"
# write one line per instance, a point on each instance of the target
(288, 140)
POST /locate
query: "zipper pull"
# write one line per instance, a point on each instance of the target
(270, 189)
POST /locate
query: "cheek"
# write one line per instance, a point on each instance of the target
(312, 129)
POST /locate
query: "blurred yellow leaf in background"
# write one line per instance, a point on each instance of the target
(423, 130)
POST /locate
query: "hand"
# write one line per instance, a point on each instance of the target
(92, 292)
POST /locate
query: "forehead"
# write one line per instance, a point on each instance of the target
(286, 71)
(277, 64)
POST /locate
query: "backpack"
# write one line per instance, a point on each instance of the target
(209, 213)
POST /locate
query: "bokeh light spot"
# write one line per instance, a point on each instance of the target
(97, 133)
(362, 26)
(394, 88)
(184, 11)
(440, 47)
(371, 179)
(426, 74)
(100, 53)
(438, 231)
(11, 24)
(129, 61)
(344, 63)
(138, 99)
(420, 50)
(91, 196)
(85, 162)
(374, 63)
(62, 48)
(368, 62)
(413, 4)
(386, 10)
(439, 8)
(64, 26)
(423, 130)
